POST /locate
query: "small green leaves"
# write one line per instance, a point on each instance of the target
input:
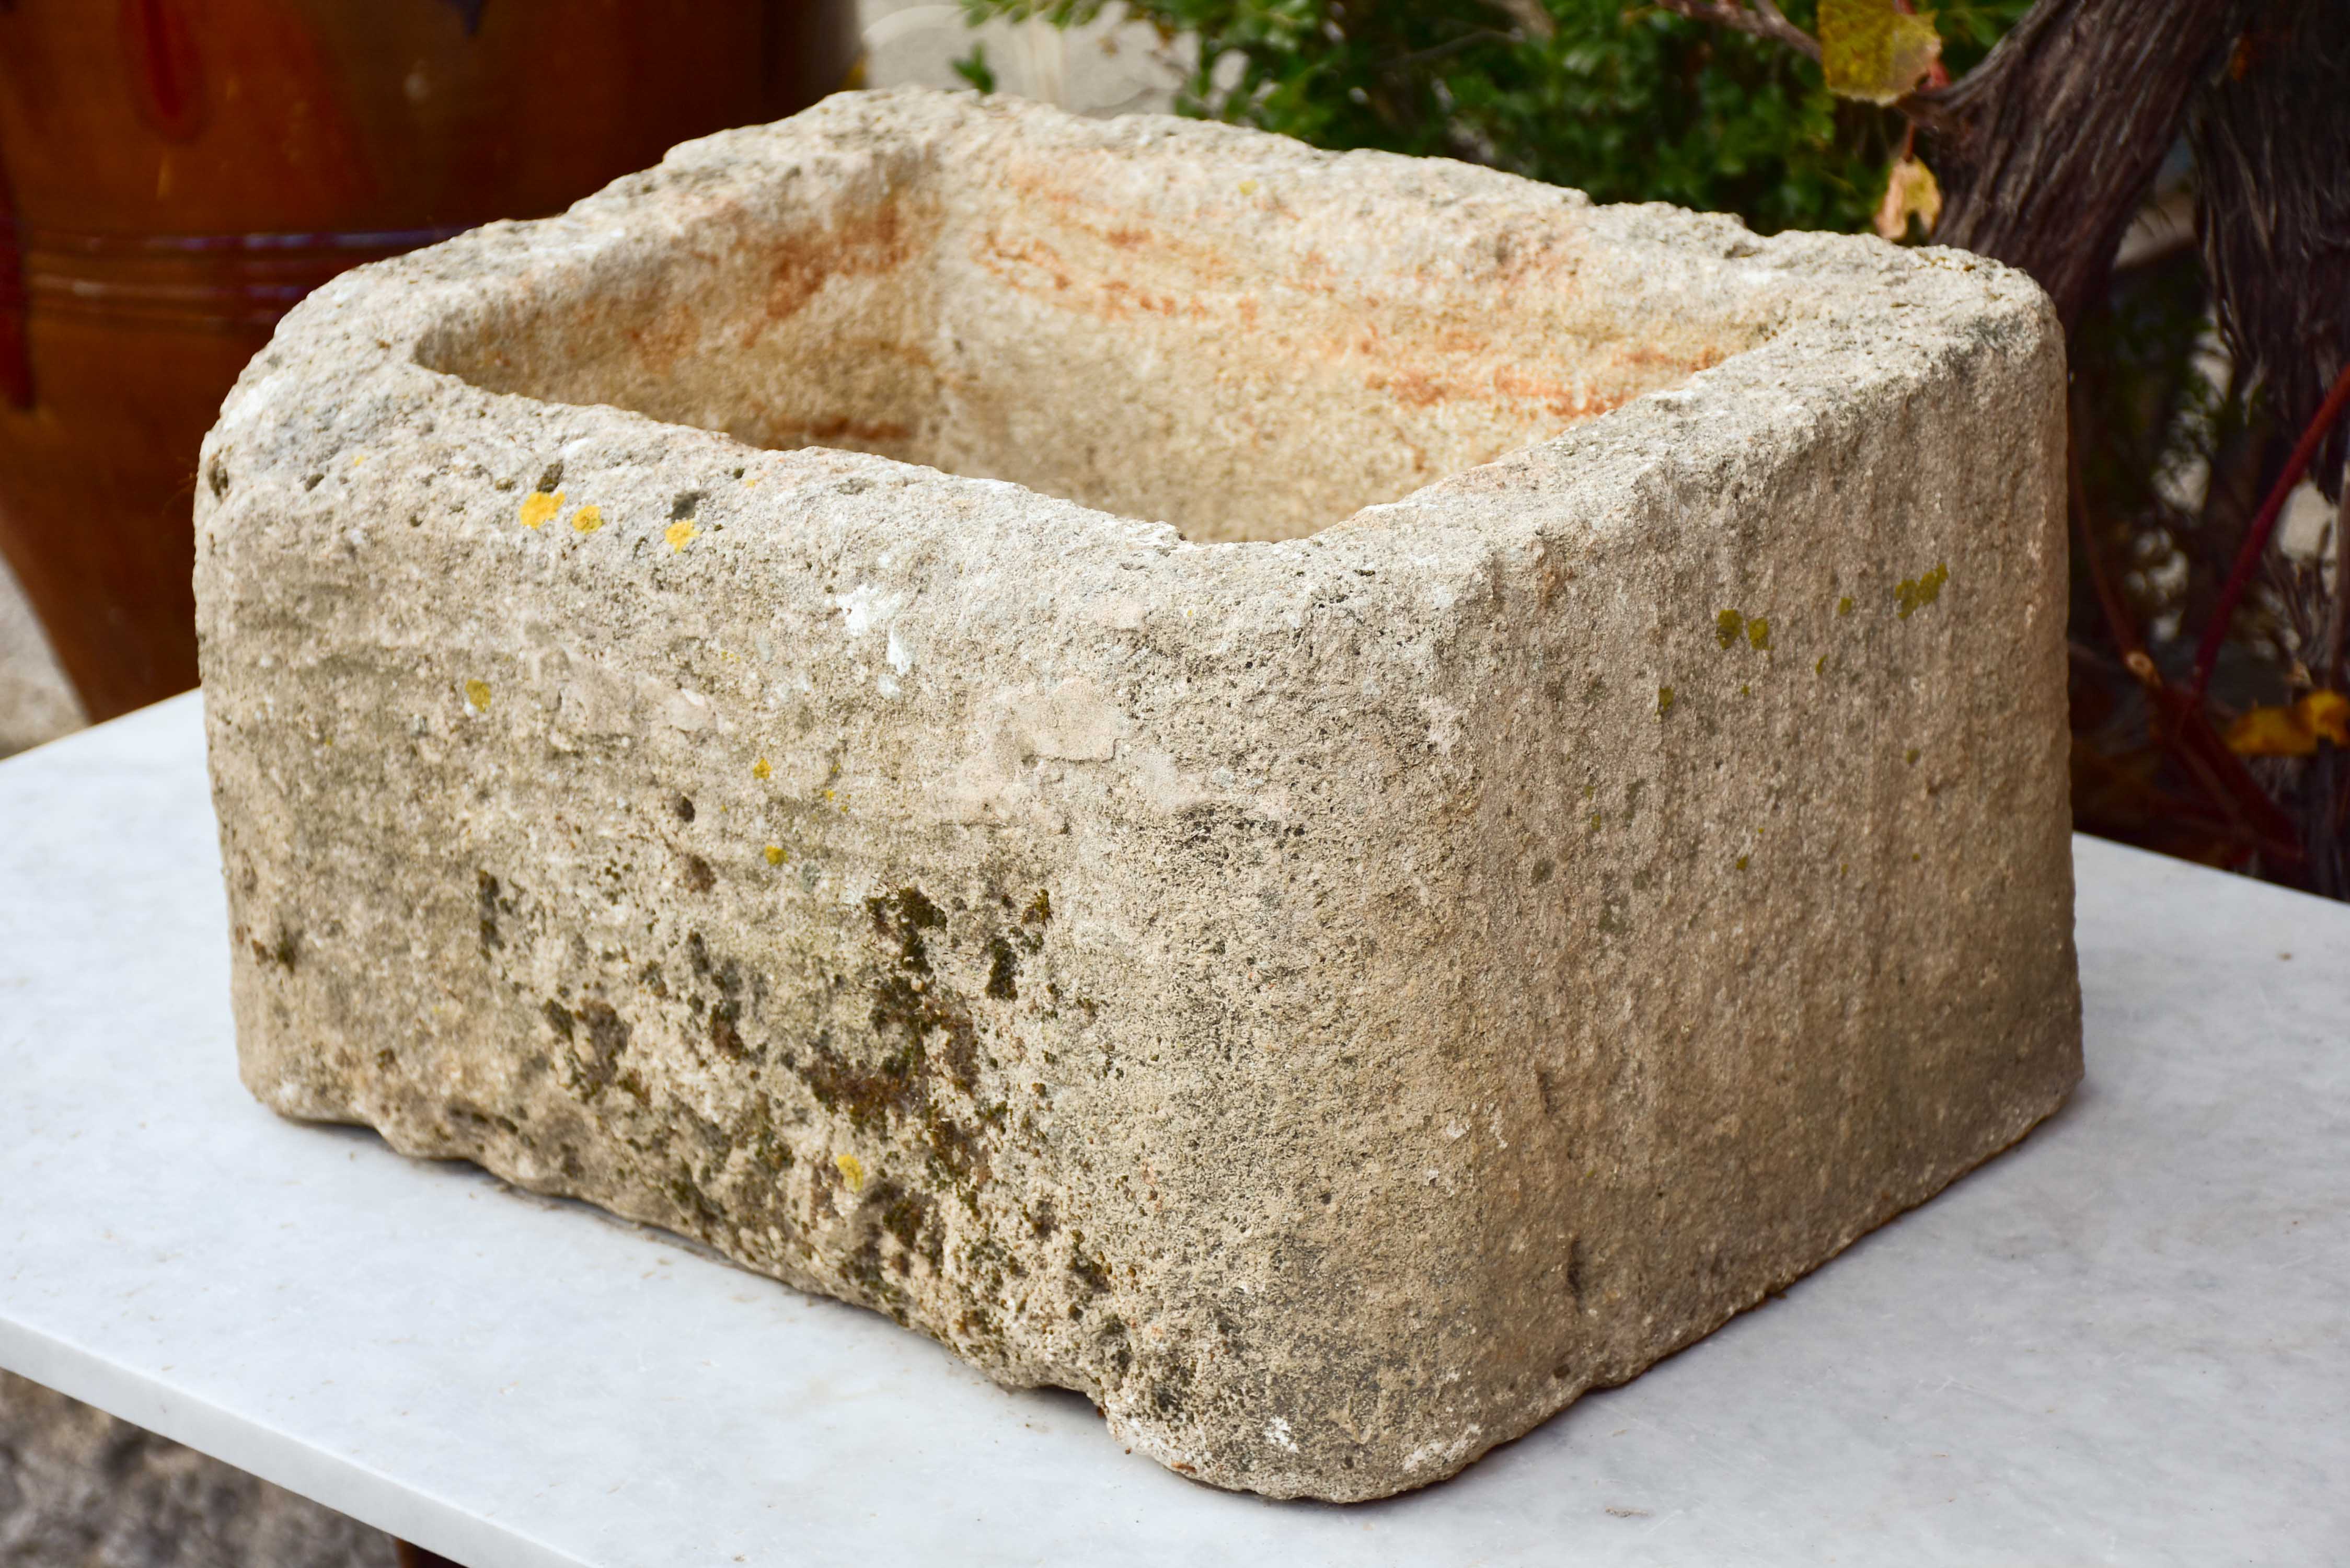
(1870, 51)
(973, 69)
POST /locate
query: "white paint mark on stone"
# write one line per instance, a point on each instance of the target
(865, 606)
(1120, 614)
(1443, 725)
(1157, 781)
(1438, 1452)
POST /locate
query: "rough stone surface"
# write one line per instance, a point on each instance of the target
(1551, 825)
(81, 1489)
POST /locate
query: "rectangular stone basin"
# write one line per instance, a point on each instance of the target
(1330, 799)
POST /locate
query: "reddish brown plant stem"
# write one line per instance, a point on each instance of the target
(2254, 819)
(2256, 538)
(1764, 21)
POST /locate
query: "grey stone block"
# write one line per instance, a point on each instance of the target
(1329, 798)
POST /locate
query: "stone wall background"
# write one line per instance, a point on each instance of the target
(1110, 66)
(36, 703)
(81, 1489)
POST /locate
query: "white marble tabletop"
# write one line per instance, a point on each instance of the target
(2126, 1342)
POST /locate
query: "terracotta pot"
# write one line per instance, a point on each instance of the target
(179, 172)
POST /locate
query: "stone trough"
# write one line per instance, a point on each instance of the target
(1329, 798)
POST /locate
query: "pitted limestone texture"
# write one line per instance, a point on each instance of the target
(1122, 741)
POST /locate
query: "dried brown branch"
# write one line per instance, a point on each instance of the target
(1764, 21)
(2271, 137)
(2256, 537)
(2045, 150)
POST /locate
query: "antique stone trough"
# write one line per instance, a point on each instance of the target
(1329, 798)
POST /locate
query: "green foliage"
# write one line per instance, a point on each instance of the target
(973, 69)
(1627, 102)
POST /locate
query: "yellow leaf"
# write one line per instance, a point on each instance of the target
(2271, 732)
(2327, 716)
(1910, 191)
(1870, 51)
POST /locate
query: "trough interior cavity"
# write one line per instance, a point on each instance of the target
(1177, 345)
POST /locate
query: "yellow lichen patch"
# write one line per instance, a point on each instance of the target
(681, 533)
(1727, 627)
(477, 696)
(1742, 863)
(587, 519)
(1914, 594)
(539, 506)
(1664, 700)
(1844, 604)
(776, 855)
(1758, 633)
(1820, 665)
(761, 769)
(1912, 758)
(852, 1170)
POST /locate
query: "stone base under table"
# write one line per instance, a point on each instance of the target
(1555, 827)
